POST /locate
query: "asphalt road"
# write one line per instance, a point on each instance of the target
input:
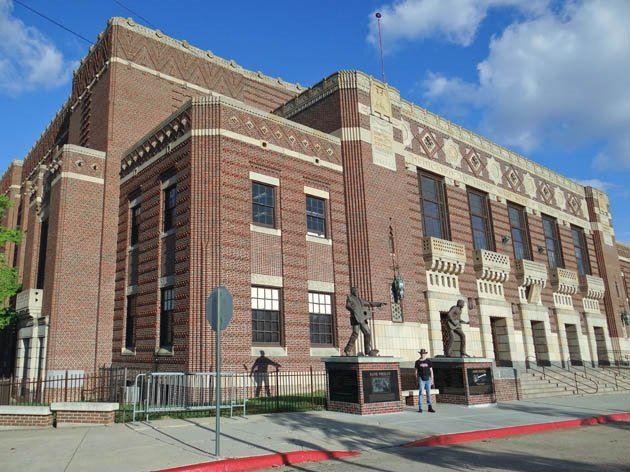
(601, 448)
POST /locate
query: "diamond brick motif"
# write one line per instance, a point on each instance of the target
(513, 178)
(545, 191)
(249, 124)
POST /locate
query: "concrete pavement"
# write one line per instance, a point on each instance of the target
(168, 443)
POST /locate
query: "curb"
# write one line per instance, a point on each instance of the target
(455, 438)
(261, 462)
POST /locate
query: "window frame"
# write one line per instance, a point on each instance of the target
(580, 249)
(440, 202)
(485, 217)
(311, 215)
(272, 188)
(167, 315)
(276, 336)
(329, 324)
(553, 246)
(522, 230)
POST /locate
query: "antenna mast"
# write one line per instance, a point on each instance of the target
(380, 43)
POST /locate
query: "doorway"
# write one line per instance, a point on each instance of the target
(600, 343)
(541, 350)
(500, 342)
(575, 358)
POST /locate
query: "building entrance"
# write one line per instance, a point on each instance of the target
(500, 342)
(600, 344)
(575, 358)
(541, 350)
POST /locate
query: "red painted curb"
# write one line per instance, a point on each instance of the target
(261, 462)
(515, 430)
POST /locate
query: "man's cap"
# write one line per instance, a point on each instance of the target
(423, 351)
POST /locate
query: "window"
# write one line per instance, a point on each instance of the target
(167, 306)
(265, 315)
(168, 254)
(130, 328)
(518, 231)
(41, 258)
(135, 225)
(170, 202)
(320, 314)
(552, 242)
(433, 203)
(581, 252)
(480, 220)
(316, 216)
(132, 272)
(263, 204)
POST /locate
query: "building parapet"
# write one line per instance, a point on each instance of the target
(444, 256)
(491, 266)
(530, 273)
(564, 281)
(592, 287)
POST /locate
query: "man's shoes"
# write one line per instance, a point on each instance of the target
(420, 410)
(431, 410)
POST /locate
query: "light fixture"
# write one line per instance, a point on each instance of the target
(505, 239)
(398, 288)
(541, 249)
(625, 317)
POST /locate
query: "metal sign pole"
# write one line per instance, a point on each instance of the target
(217, 397)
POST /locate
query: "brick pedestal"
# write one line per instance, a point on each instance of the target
(464, 380)
(364, 385)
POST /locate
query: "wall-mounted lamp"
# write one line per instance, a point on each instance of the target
(505, 239)
(398, 288)
(625, 317)
(541, 249)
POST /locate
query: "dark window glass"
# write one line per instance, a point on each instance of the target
(135, 225)
(167, 307)
(170, 202)
(263, 201)
(320, 314)
(581, 252)
(132, 272)
(316, 216)
(130, 328)
(434, 216)
(518, 232)
(480, 220)
(265, 315)
(41, 259)
(552, 242)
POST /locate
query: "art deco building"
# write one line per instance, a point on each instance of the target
(170, 171)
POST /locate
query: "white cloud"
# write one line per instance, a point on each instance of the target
(455, 21)
(28, 60)
(557, 78)
(598, 184)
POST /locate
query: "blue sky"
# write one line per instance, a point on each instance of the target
(545, 78)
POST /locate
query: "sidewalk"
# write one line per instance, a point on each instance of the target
(178, 442)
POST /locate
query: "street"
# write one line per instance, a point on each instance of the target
(602, 448)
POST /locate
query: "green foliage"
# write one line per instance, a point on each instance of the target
(8, 275)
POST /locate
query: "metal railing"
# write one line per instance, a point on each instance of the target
(556, 373)
(158, 393)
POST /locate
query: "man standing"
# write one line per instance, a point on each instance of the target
(455, 326)
(360, 313)
(424, 372)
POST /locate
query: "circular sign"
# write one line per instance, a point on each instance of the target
(219, 308)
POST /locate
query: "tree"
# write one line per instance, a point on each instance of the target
(9, 285)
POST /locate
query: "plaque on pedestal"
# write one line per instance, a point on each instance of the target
(363, 385)
(464, 380)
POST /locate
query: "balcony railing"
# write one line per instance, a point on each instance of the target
(564, 281)
(592, 287)
(444, 256)
(29, 302)
(492, 266)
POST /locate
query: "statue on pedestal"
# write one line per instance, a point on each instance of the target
(454, 323)
(360, 314)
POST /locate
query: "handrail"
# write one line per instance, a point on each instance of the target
(560, 378)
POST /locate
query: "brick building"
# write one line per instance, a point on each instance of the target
(170, 171)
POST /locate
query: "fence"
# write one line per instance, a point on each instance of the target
(160, 392)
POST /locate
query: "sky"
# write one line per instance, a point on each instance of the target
(549, 79)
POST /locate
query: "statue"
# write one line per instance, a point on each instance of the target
(454, 322)
(360, 313)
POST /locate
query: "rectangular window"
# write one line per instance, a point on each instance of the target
(478, 205)
(321, 319)
(167, 306)
(168, 254)
(135, 225)
(518, 232)
(433, 203)
(265, 315)
(170, 202)
(552, 242)
(581, 251)
(316, 216)
(130, 323)
(263, 204)
(41, 258)
(132, 271)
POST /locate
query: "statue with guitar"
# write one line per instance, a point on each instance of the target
(360, 314)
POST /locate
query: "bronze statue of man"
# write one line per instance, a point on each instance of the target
(360, 313)
(454, 322)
